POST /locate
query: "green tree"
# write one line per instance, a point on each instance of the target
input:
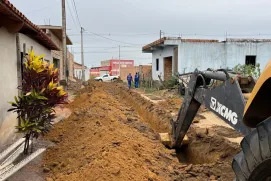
(248, 70)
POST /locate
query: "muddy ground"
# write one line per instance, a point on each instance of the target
(112, 134)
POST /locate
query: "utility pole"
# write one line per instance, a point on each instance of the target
(160, 34)
(119, 60)
(82, 55)
(64, 48)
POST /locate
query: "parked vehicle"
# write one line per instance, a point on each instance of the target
(106, 78)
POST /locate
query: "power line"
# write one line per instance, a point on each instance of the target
(72, 15)
(82, 55)
(109, 38)
(110, 34)
(111, 51)
(136, 58)
(41, 9)
(111, 47)
(74, 5)
(229, 34)
(177, 34)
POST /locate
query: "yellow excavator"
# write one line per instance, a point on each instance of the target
(242, 103)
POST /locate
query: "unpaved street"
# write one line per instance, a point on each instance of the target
(112, 134)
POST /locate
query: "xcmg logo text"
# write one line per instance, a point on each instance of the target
(223, 111)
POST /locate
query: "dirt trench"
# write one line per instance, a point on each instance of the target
(206, 146)
(112, 134)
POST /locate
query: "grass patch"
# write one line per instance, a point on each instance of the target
(149, 90)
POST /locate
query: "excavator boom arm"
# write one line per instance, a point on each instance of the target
(225, 100)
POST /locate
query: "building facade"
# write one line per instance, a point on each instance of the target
(77, 70)
(111, 67)
(176, 55)
(116, 65)
(55, 33)
(100, 71)
(18, 36)
(143, 70)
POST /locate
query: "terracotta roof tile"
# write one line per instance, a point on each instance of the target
(157, 42)
(14, 13)
(162, 40)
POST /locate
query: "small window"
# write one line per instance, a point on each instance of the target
(157, 64)
(251, 60)
(105, 75)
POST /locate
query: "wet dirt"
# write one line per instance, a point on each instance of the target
(112, 134)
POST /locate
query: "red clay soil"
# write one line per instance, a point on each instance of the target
(112, 134)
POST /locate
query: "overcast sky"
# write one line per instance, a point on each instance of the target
(138, 22)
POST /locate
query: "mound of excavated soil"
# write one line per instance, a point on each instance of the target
(99, 142)
(226, 132)
(112, 134)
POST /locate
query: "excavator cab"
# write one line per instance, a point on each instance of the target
(257, 108)
(254, 161)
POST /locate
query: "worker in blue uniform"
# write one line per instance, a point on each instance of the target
(129, 80)
(136, 80)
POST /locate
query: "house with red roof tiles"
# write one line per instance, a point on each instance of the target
(171, 55)
(18, 35)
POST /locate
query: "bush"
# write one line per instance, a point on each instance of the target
(40, 94)
(173, 81)
(248, 70)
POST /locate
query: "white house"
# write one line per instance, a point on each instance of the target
(55, 33)
(77, 70)
(171, 55)
(18, 35)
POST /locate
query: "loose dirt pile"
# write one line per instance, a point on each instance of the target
(112, 134)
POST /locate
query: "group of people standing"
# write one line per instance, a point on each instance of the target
(130, 80)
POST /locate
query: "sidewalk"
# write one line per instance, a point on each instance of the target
(34, 170)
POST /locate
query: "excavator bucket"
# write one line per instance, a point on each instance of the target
(166, 140)
(257, 108)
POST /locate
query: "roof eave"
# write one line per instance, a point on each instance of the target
(40, 35)
(50, 27)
